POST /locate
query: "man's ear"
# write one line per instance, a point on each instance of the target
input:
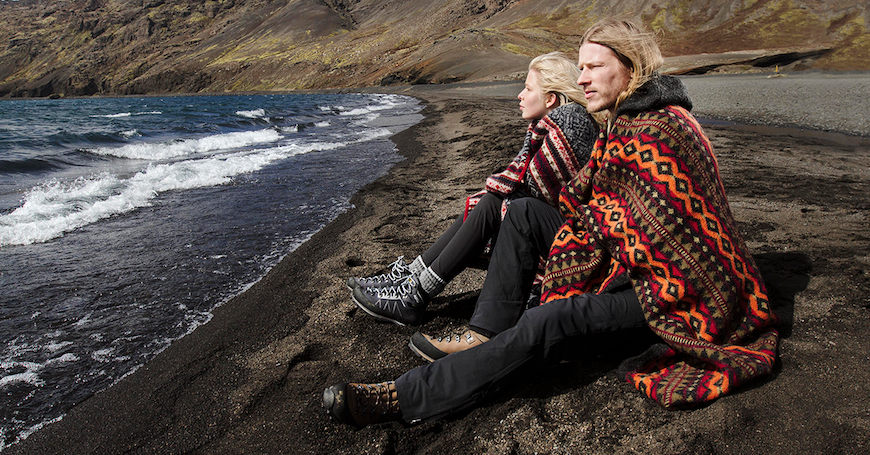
(552, 100)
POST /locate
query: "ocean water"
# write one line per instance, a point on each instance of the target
(124, 222)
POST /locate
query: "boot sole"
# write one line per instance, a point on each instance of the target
(419, 352)
(425, 349)
(336, 408)
(375, 315)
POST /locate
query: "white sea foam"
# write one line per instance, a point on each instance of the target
(56, 207)
(127, 114)
(256, 113)
(54, 347)
(366, 119)
(175, 149)
(85, 320)
(322, 124)
(29, 431)
(29, 376)
(378, 103)
(65, 358)
(383, 102)
(103, 355)
(372, 134)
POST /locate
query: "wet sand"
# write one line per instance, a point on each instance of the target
(250, 381)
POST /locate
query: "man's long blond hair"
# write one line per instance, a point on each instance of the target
(558, 74)
(636, 49)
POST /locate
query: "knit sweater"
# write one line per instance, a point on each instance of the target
(651, 204)
(555, 149)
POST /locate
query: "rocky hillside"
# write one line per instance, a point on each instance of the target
(114, 47)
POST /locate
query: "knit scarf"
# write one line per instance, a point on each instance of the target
(556, 147)
(651, 204)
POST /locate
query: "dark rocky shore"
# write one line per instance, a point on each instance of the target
(250, 381)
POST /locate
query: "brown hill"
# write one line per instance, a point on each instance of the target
(114, 47)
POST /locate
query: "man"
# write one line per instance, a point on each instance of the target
(649, 204)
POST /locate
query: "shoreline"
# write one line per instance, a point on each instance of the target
(249, 380)
(717, 97)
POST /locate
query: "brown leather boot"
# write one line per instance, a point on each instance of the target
(433, 349)
(362, 404)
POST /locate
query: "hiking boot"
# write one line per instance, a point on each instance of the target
(362, 404)
(399, 271)
(433, 349)
(402, 304)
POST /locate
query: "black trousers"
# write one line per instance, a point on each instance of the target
(525, 236)
(465, 239)
(544, 334)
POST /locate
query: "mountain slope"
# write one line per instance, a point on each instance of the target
(86, 47)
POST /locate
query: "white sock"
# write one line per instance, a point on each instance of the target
(417, 266)
(431, 283)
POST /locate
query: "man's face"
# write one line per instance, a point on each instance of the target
(602, 76)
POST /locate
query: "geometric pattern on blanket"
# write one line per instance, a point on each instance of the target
(651, 204)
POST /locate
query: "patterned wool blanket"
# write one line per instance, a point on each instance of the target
(555, 149)
(651, 204)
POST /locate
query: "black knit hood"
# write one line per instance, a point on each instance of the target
(655, 94)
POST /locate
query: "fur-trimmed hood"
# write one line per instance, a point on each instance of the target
(655, 94)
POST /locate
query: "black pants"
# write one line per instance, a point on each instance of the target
(465, 239)
(544, 334)
(525, 236)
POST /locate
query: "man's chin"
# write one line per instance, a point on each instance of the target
(594, 109)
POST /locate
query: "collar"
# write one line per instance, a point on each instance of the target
(657, 93)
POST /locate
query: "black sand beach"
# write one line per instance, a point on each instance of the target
(250, 381)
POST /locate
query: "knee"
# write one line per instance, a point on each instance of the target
(518, 213)
(567, 317)
(519, 208)
(489, 202)
(544, 319)
(487, 205)
(528, 210)
(490, 199)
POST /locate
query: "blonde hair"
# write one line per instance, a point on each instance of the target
(636, 49)
(558, 75)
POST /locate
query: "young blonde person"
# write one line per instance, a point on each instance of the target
(557, 144)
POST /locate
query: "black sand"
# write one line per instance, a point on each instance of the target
(250, 381)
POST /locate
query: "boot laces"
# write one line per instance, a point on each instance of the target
(375, 399)
(406, 289)
(398, 271)
(457, 337)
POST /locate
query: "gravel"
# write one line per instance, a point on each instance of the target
(835, 102)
